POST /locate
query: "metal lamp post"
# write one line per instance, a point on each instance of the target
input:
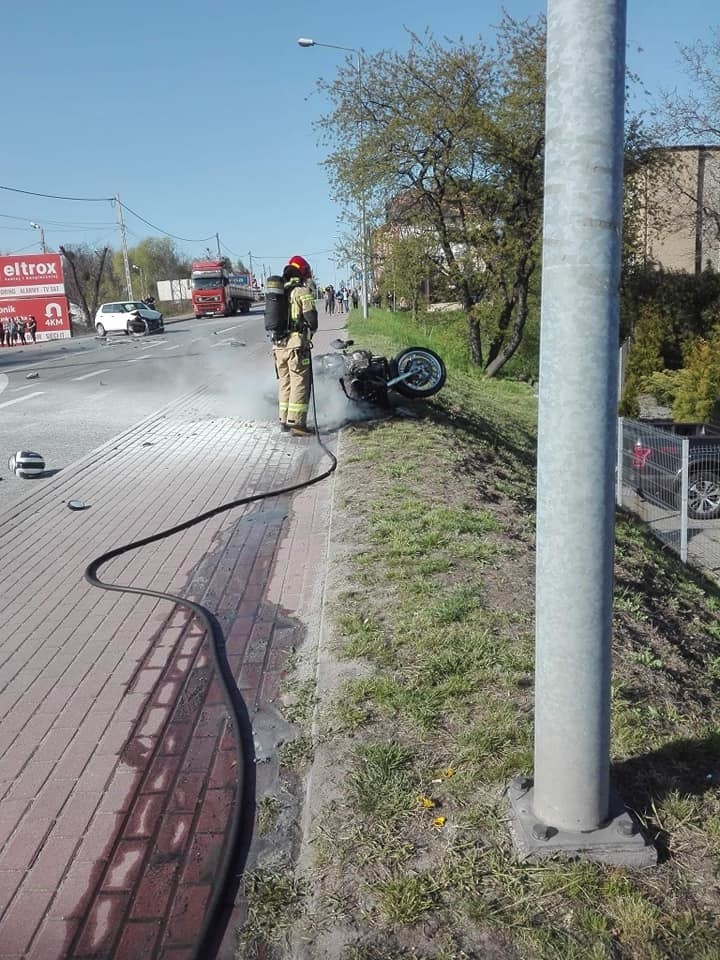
(37, 226)
(139, 270)
(308, 42)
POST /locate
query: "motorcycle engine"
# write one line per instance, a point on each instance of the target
(367, 377)
(359, 362)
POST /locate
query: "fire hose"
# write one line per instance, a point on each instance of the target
(212, 928)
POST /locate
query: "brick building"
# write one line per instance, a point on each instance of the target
(679, 201)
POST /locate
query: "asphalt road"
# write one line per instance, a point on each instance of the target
(63, 399)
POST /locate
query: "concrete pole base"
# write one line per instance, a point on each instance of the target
(620, 842)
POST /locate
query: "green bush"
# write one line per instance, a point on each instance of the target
(644, 358)
(696, 398)
(662, 385)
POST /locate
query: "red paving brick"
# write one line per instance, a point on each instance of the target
(118, 767)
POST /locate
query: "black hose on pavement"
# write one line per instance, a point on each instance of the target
(211, 932)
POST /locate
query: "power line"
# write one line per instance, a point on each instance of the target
(160, 230)
(53, 196)
(280, 256)
(231, 252)
(68, 224)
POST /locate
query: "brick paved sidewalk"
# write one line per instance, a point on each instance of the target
(118, 769)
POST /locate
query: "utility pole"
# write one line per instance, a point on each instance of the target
(217, 238)
(123, 244)
(568, 808)
(250, 259)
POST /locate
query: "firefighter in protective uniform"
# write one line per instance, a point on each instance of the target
(291, 351)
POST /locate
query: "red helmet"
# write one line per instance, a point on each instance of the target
(302, 265)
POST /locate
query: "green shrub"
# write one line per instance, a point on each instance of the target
(663, 385)
(698, 389)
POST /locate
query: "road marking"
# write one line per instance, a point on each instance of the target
(9, 403)
(28, 386)
(228, 329)
(138, 359)
(221, 343)
(29, 366)
(95, 373)
(174, 347)
(197, 339)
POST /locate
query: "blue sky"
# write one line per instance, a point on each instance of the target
(200, 115)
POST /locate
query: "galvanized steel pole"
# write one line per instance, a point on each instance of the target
(578, 410)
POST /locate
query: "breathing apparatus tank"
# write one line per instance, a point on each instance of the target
(277, 307)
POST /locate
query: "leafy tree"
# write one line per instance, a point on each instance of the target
(688, 304)
(88, 269)
(153, 259)
(405, 272)
(645, 357)
(698, 388)
(451, 137)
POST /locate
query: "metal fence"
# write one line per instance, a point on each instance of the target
(658, 480)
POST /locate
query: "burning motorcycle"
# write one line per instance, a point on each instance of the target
(415, 372)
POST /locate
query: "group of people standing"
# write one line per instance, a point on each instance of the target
(340, 298)
(16, 330)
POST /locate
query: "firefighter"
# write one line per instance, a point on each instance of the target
(291, 349)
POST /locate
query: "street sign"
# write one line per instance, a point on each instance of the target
(31, 275)
(51, 315)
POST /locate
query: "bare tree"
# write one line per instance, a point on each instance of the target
(87, 268)
(694, 119)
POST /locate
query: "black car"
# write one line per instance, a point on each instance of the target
(657, 465)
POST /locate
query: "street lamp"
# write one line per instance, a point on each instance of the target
(308, 42)
(139, 270)
(42, 235)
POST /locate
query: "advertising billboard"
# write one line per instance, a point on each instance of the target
(51, 315)
(175, 290)
(31, 275)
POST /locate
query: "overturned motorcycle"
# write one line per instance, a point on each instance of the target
(415, 372)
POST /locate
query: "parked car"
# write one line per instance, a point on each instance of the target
(657, 466)
(128, 316)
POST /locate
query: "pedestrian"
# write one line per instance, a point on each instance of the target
(340, 297)
(2, 332)
(32, 328)
(12, 331)
(330, 299)
(291, 350)
(21, 325)
(355, 298)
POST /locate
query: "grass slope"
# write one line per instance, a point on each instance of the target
(412, 858)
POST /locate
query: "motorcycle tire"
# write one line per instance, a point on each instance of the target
(428, 376)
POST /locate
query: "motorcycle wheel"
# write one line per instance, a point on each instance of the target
(428, 372)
